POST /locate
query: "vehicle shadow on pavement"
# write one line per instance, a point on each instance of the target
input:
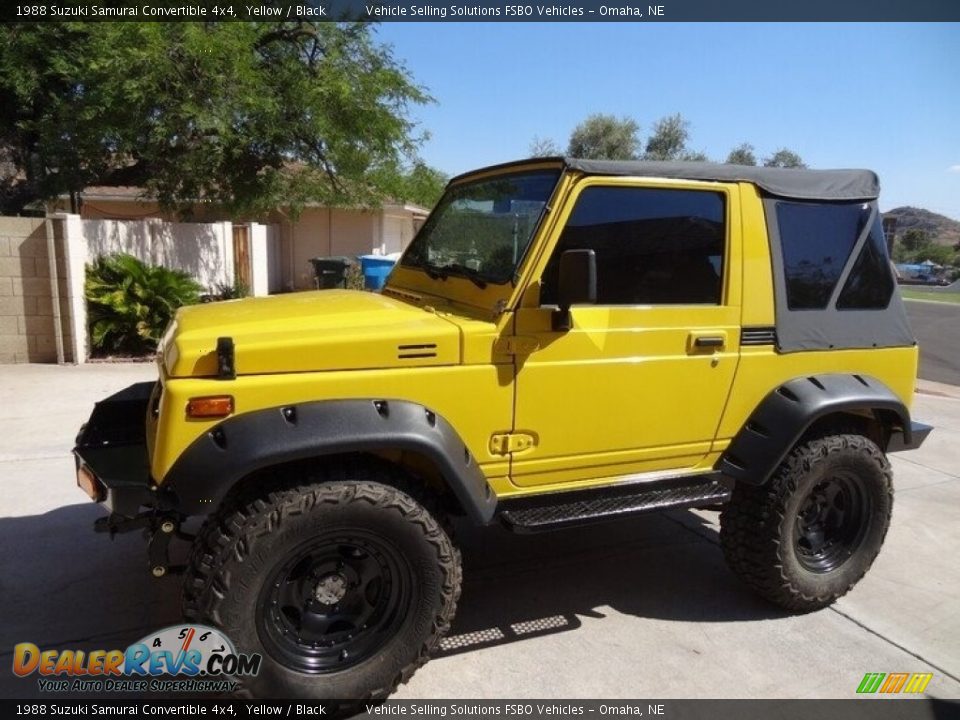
(661, 567)
(64, 586)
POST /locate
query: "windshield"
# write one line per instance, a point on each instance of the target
(480, 230)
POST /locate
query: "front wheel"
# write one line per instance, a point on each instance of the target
(344, 587)
(807, 537)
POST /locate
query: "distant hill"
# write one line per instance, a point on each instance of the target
(941, 229)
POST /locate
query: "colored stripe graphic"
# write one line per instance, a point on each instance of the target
(870, 682)
(894, 683)
(918, 682)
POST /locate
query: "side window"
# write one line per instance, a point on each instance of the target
(653, 246)
(817, 239)
(870, 283)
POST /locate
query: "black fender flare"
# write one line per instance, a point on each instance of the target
(782, 417)
(206, 471)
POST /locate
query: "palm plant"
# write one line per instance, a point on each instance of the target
(130, 303)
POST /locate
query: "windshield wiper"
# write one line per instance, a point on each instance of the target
(433, 272)
(442, 272)
(468, 272)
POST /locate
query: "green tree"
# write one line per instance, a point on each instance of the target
(939, 254)
(604, 137)
(784, 158)
(543, 147)
(669, 139)
(899, 255)
(422, 185)
(914, 239)
(252, 115)
(742, 154)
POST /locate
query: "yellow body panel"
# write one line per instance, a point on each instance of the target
(308, 331)
(626, 392)
(474, 399)
(757, 278)
(762, 369)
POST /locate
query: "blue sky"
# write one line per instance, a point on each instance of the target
(881, 96)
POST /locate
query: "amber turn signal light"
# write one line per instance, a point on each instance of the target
(89, 484)
(215, 406)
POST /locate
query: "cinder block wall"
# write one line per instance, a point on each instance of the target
(26, 304)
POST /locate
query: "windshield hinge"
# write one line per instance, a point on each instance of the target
(517, 345)
(506, 443)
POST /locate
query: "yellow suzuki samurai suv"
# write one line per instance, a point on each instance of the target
(563, 342)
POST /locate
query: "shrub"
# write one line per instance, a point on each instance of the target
(354, 278)
(130, 303)
(225, 291)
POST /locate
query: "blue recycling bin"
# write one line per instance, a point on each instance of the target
(376, 269)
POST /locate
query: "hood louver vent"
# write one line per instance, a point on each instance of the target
(410, 352)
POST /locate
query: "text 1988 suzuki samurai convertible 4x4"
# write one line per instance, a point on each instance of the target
(563, 342)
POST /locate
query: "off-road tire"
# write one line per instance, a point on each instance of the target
(758, 527)
(240, 548)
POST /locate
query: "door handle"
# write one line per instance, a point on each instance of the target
(706, 340)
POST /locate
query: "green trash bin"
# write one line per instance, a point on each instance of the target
(331, 271)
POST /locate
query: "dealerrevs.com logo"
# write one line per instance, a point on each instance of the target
(179, 658)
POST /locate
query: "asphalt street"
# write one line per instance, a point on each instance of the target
(937, 328)
(640, 608)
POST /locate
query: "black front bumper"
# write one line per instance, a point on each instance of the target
(112, 448)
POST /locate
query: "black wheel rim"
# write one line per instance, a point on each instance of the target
(334, 602)
(831, 523)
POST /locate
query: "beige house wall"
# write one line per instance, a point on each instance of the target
(27, 324)
(321, 232)
(317, 232)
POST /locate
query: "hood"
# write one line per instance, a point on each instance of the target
(309, 331)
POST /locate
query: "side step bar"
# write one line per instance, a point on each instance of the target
(580, 507)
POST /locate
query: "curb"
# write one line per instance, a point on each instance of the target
(929, 387)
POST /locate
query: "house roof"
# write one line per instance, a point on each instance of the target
(115, 192)
(133, 193)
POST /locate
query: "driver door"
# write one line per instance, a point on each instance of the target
(636, 388)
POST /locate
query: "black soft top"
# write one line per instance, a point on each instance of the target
(801, 184)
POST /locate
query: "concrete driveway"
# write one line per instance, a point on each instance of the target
(640, 608)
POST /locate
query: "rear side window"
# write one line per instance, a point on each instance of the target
(870, 283)
(653, 246)
(817, 240)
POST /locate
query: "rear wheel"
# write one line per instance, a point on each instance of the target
(344, 587)
(807, 537)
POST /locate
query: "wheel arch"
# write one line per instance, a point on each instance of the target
(810, 404)
(241, 449)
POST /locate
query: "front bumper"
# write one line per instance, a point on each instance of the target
(112, 461)
(901, 440)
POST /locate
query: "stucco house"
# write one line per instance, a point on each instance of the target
(318, 231)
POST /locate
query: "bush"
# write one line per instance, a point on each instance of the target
(130, 303)
(354, 278)
(224, 291)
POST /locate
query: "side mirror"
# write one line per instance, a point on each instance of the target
(577, 284)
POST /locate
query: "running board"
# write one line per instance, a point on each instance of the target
(581, 507)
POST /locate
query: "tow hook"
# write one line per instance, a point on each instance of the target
(159, 549)
(160, 529)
